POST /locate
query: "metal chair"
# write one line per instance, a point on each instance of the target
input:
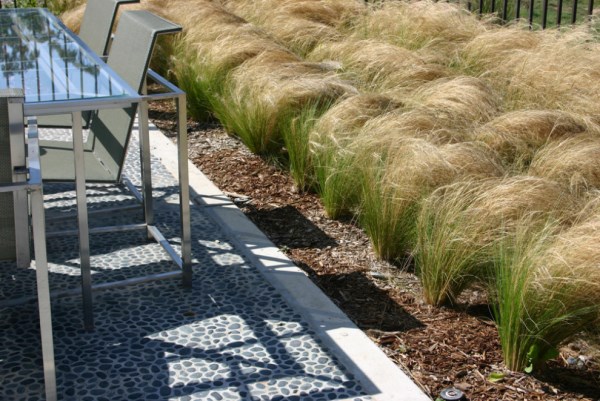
(21, 185)
(98, 20)
(110, 131)
(96, 32)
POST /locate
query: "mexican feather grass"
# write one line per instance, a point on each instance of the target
(546, 289)
(459, 224)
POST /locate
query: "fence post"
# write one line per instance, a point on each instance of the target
(530, 14)
(559, 12)
(544, 13)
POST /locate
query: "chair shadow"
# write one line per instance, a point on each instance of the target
(282, 225)
(366, 304)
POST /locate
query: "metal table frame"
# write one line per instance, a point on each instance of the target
(75, 108)
(32, 188)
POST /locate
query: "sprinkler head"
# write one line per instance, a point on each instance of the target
(452, 394)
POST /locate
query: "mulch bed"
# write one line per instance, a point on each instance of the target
(437, 347)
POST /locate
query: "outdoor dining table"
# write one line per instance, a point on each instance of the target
(59, 74)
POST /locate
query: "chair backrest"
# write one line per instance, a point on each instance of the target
(98, 20)
(7, 210)
(129, 57)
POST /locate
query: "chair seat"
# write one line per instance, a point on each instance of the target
(58, 164)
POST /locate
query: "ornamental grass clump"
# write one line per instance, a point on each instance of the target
(448, 257)
(208, 52)
(546, 289)
(518, 310)
(295, 130)
(244, 78)
(492, 47)
(438, 27)
(572, 162)
(333, 162)
(420, 123)
(392, 182)
(569, 63)
(261, 92)
(300, 25)
(459, 101)
(459, 225)
(379, 66)
(64, 6)
(443, 111)
(517, 135)
(72, 14)
(401, 175)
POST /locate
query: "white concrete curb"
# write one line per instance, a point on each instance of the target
(379, 376)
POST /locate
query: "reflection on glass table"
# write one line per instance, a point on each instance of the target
(39, 55)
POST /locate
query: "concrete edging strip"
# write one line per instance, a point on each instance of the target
(378, 375)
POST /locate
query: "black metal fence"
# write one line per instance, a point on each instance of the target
(543, 12)
(538, 13)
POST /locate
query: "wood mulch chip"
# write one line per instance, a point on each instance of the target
(437, 347)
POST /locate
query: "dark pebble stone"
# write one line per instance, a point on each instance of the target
(165, 391)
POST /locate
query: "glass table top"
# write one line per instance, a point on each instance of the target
(40, 56)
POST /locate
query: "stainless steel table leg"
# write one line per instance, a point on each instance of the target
(82, 221)
(41, 264)
(17, 155)
(43, 291)
(184, 190)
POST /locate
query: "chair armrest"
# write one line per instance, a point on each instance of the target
(173, 90)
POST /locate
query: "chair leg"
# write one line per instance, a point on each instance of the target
(146, 165)
(21, 211)
(19, 174)
(82, 221)
(184, 190)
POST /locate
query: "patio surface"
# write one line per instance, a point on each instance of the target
(253, 327)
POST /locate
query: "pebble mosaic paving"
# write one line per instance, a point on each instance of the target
(232, 337)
